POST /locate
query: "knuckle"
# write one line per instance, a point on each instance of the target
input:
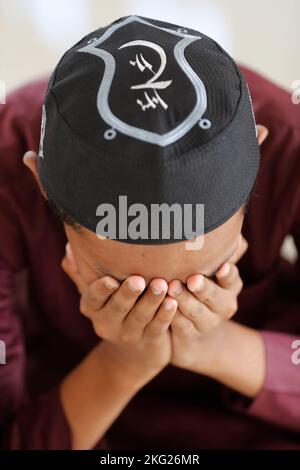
(234, 269)
(175, 318)
(245, 243)
(234, 272)
(155, 330)
(151, 332)
(96, 292)
(157, 327)
(181, 325)
(194, 314)
(100, 330)
(98, 288)
(140, 318)
(66, 268)
(211, 294)
(118, 306)
(175, 325)
(215, 321)
(240, 285)
(232, 308)
(187, 328)
(210, 324)
(201, 309)
(163, 316)
(84, 308)
(126, 338)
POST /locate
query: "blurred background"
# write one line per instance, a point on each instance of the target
(263, 34)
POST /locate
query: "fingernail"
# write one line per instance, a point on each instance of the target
(198, 284)
(178, 289)
(133, 288)
(169, 304)
(156, 290)
(224, 270)
(110, 284)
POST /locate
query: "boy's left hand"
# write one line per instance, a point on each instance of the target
(203, 314)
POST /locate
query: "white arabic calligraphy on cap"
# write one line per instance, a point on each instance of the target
(200, 105)
(152, 83)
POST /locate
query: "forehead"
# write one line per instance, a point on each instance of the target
(169, 261)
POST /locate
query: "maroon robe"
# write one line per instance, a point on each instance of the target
(46, 336)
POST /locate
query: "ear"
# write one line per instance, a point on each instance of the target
(262, 133)
(30, 159)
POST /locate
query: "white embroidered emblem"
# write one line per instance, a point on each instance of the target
(152, 83)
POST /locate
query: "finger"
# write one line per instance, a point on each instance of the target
(73, 275)
(193, 308)
(96, 294)
(218, 300)
(30, 159)
(30, 154)
(145, 309)
(240, 251)
(123, 300)
(162, 320)
(81, 284)
(181, 325)
(228, 277)
(71, 258)
(262, 132)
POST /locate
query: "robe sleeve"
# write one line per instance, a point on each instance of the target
(278, 401)
(26, 421)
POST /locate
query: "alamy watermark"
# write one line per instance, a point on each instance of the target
(296, 92)
(2, 352)
(2, 92)
(162, 221)
(295, 357)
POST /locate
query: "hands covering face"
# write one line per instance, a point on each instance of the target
(183, 317)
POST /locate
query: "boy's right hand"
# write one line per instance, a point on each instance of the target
(135, 327)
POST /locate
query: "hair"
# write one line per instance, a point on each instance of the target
(63, 216)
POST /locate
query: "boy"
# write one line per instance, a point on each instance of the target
(160, 114)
